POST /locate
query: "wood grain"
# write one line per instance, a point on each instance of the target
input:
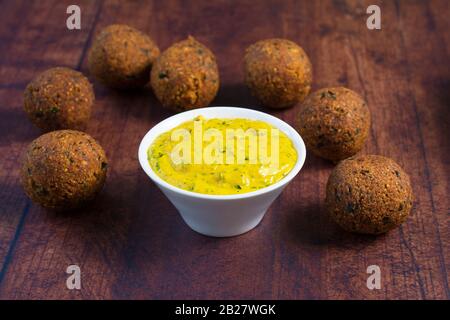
(131, 243)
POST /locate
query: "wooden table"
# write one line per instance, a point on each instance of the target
(132, 244)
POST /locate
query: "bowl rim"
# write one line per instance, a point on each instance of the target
(179, 118)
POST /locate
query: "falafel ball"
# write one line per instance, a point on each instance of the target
(121, 57)
(59, 98)
(278, 72)
(63, 169)
(369, 194)
(185, 76)
(334, 122)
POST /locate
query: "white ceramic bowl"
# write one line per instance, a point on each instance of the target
(221, 215)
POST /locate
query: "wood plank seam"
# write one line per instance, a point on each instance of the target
(414, 263)
(89, 37)
(13, 242)
(363, 86)
(425, 158)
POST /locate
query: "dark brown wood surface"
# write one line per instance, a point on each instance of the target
(132, 244)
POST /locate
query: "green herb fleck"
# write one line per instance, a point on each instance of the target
(39, 114)
(337, 195)
(350, 208)
(145, 51)
(328, 94)
(163, 75)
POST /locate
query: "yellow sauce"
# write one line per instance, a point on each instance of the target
(222, 178)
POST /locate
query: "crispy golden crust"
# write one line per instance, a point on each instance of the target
(185, 76)
(334, 122)
(63, 169)
(278, 72)
(369, 194)
(121, 57)
(59, 98)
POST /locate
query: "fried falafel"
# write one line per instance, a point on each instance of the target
(334, 122)
(185, 76)
(121, 57)
(63, 169)
(369, 194)
(278, 72)
(59, 98)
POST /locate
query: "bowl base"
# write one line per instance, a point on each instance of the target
(220, 232)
